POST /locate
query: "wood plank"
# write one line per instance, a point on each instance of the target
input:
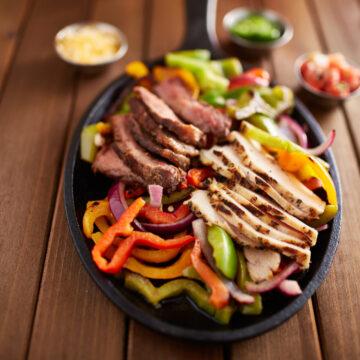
(13, 15)
(337, 300)
(339, 25)
(74, 319)
(34, 115)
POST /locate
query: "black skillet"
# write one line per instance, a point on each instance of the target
(178, 317)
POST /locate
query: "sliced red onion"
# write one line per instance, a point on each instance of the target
(290, 288)
(296, 129)
(318, 150)
(199, 229)
(121, 191)
(322, 227)
(172, 228)
(274, 282)
(115, 204)
(156, 193)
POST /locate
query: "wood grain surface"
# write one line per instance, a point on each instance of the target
(50, 307)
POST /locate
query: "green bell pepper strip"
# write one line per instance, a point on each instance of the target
(200, 54)
(88, 148)
(224, 251)
(176, 196)
(205, 75)
(228, 67)
(214, 98)
(241, 278)
(173, 288)
(265, 123)
(191, 273)
(272, 141)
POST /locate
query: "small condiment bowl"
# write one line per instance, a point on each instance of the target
(92, 67)
(237, 14)
(318, 96)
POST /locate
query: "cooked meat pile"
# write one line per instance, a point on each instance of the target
(259, 205)
(155, 143)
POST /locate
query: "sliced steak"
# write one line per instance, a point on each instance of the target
(109, 163)
(161, 136)
(151, 170)
(149, 144)
(205, 117)
(163, 115)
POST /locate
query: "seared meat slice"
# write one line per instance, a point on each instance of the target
(285, 183)
(275, 212)
(149, 144)
(261, 263)
(228, 198)
(161, 136)
(203, 116)
(228, 164)
(199, 203)
(151, 170)
(108, 163)
(301, 255)
(163, 115)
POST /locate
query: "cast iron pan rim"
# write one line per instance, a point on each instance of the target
(152, 322)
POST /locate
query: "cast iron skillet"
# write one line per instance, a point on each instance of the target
(177, 317)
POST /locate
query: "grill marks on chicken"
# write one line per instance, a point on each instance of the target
(150, 169)
(203, 116)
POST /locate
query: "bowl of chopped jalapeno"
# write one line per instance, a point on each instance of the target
(257, 29)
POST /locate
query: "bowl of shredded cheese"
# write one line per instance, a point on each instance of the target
(90, 44)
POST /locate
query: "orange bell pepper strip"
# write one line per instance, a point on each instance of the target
(220, 295)
(136, 69)
(156, 216)
(122, 253)
(155, 256)
(168, 272)
(197, 176)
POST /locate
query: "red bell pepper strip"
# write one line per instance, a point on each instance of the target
(132, 193)
(125, 248)
(219, 293)
(196, 176)
(156, 216)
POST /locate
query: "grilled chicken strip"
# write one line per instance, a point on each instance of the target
(147, 143)
(301, 255)
(109, 163)
(199, 203)
(229, 165)
(151, 170)
(244, 212)
(246, 216)
(161, 136)
(163, 115)
(284, 183)
(203, 116)
(261, 264)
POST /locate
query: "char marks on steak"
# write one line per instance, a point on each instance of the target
(149, 144)
(160, 135)
(108, 163)
(203, 116)
(151, 170)
(164, 116)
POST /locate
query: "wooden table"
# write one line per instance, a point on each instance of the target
(49, 306)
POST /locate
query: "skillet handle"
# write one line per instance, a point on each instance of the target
(201, 26)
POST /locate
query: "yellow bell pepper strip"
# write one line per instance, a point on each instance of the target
(123, 228)
(95, 210)
(168, 272)
(103, 128)
(155, 256)
(136, 69)
(154, 295)
(96, 236)
(242, 276)
(161, 73)
(102, 224)
(190, 273)
(88, 148)
(220, 295)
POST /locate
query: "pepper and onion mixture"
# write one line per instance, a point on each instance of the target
(201, 239)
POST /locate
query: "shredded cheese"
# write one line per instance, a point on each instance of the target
(89, 44)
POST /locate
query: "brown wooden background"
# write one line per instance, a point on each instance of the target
(49, 306)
